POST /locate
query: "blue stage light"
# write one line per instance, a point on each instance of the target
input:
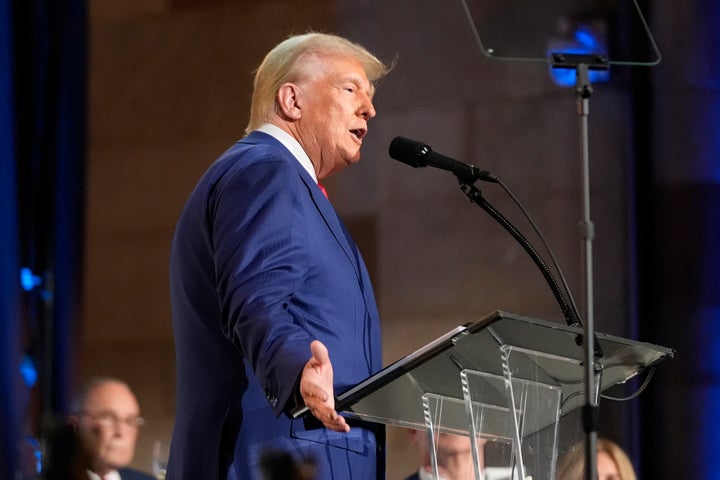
(585, 41)
(28, 280)
(28, 371)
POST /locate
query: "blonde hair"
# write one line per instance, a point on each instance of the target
(572, 466)
(284, 64)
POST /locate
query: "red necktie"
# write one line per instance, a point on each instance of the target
(322, 189)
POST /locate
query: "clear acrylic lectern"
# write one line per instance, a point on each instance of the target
(504, 381)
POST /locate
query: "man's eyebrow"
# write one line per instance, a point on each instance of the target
(351, 79)
(354, 77)
(360, 83)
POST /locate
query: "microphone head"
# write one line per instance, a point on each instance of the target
(409, 151)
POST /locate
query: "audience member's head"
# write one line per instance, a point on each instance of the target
(453, 455)
(612, 463)
(62, 458)
(106, 418)
(281, 465)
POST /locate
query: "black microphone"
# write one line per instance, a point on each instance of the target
(417, 154)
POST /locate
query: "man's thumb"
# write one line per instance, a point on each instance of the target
(319, 351)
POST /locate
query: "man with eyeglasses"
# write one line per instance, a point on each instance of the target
(107, 420)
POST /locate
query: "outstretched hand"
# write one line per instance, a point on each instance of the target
(316, 388)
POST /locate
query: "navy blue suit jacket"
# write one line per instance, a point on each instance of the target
(261, 265)
(132, 474)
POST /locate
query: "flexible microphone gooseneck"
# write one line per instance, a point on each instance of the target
(417, 154)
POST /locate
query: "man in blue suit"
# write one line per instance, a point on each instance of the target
(267, 286)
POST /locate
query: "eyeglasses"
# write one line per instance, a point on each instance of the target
(110, 420)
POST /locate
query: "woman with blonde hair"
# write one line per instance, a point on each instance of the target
(612, 463)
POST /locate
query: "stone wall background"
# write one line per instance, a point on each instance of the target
(170, 83)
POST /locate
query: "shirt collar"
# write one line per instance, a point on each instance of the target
(291, 144)
(425, 475)
(111, 475)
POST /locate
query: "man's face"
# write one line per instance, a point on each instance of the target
(108, 426)
(454, 454)
(336, 104)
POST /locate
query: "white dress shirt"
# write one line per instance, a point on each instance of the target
(291, 144)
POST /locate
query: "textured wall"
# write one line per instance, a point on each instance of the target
(170, 85)
(443, 261)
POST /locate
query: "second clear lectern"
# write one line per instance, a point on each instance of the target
(505, 381)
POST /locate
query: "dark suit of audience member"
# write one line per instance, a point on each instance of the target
(132, 474)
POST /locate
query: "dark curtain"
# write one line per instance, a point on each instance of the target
(10, 407)
(43, 82)
(677, 186)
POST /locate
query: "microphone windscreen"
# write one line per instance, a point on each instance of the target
(408, 151)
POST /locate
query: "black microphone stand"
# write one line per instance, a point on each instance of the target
(590, 415)
(582, 64)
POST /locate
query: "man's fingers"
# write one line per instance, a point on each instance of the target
(316, 388)
(313, 391)
(319, 351)
(333, 421)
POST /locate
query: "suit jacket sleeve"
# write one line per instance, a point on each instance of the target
(258, 236)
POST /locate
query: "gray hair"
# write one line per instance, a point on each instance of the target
(78, 402)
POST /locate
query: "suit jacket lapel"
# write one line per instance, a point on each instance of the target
(322, 204)
(332, 220)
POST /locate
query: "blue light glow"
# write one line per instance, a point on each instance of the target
(706, 401)
(28, 280)
(37, 452)
(586, 38)
(586, 41)
(28, 371)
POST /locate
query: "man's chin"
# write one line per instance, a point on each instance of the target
(118, 461)
(338, 167)
(352, 159)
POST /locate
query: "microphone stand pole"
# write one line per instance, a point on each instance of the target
(583, 90)
(587, 232)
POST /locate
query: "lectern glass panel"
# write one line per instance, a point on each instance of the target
(530, 30)
(394, 395)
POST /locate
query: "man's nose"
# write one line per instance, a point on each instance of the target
(367, 109)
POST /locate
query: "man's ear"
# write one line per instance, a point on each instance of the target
(288, 101)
